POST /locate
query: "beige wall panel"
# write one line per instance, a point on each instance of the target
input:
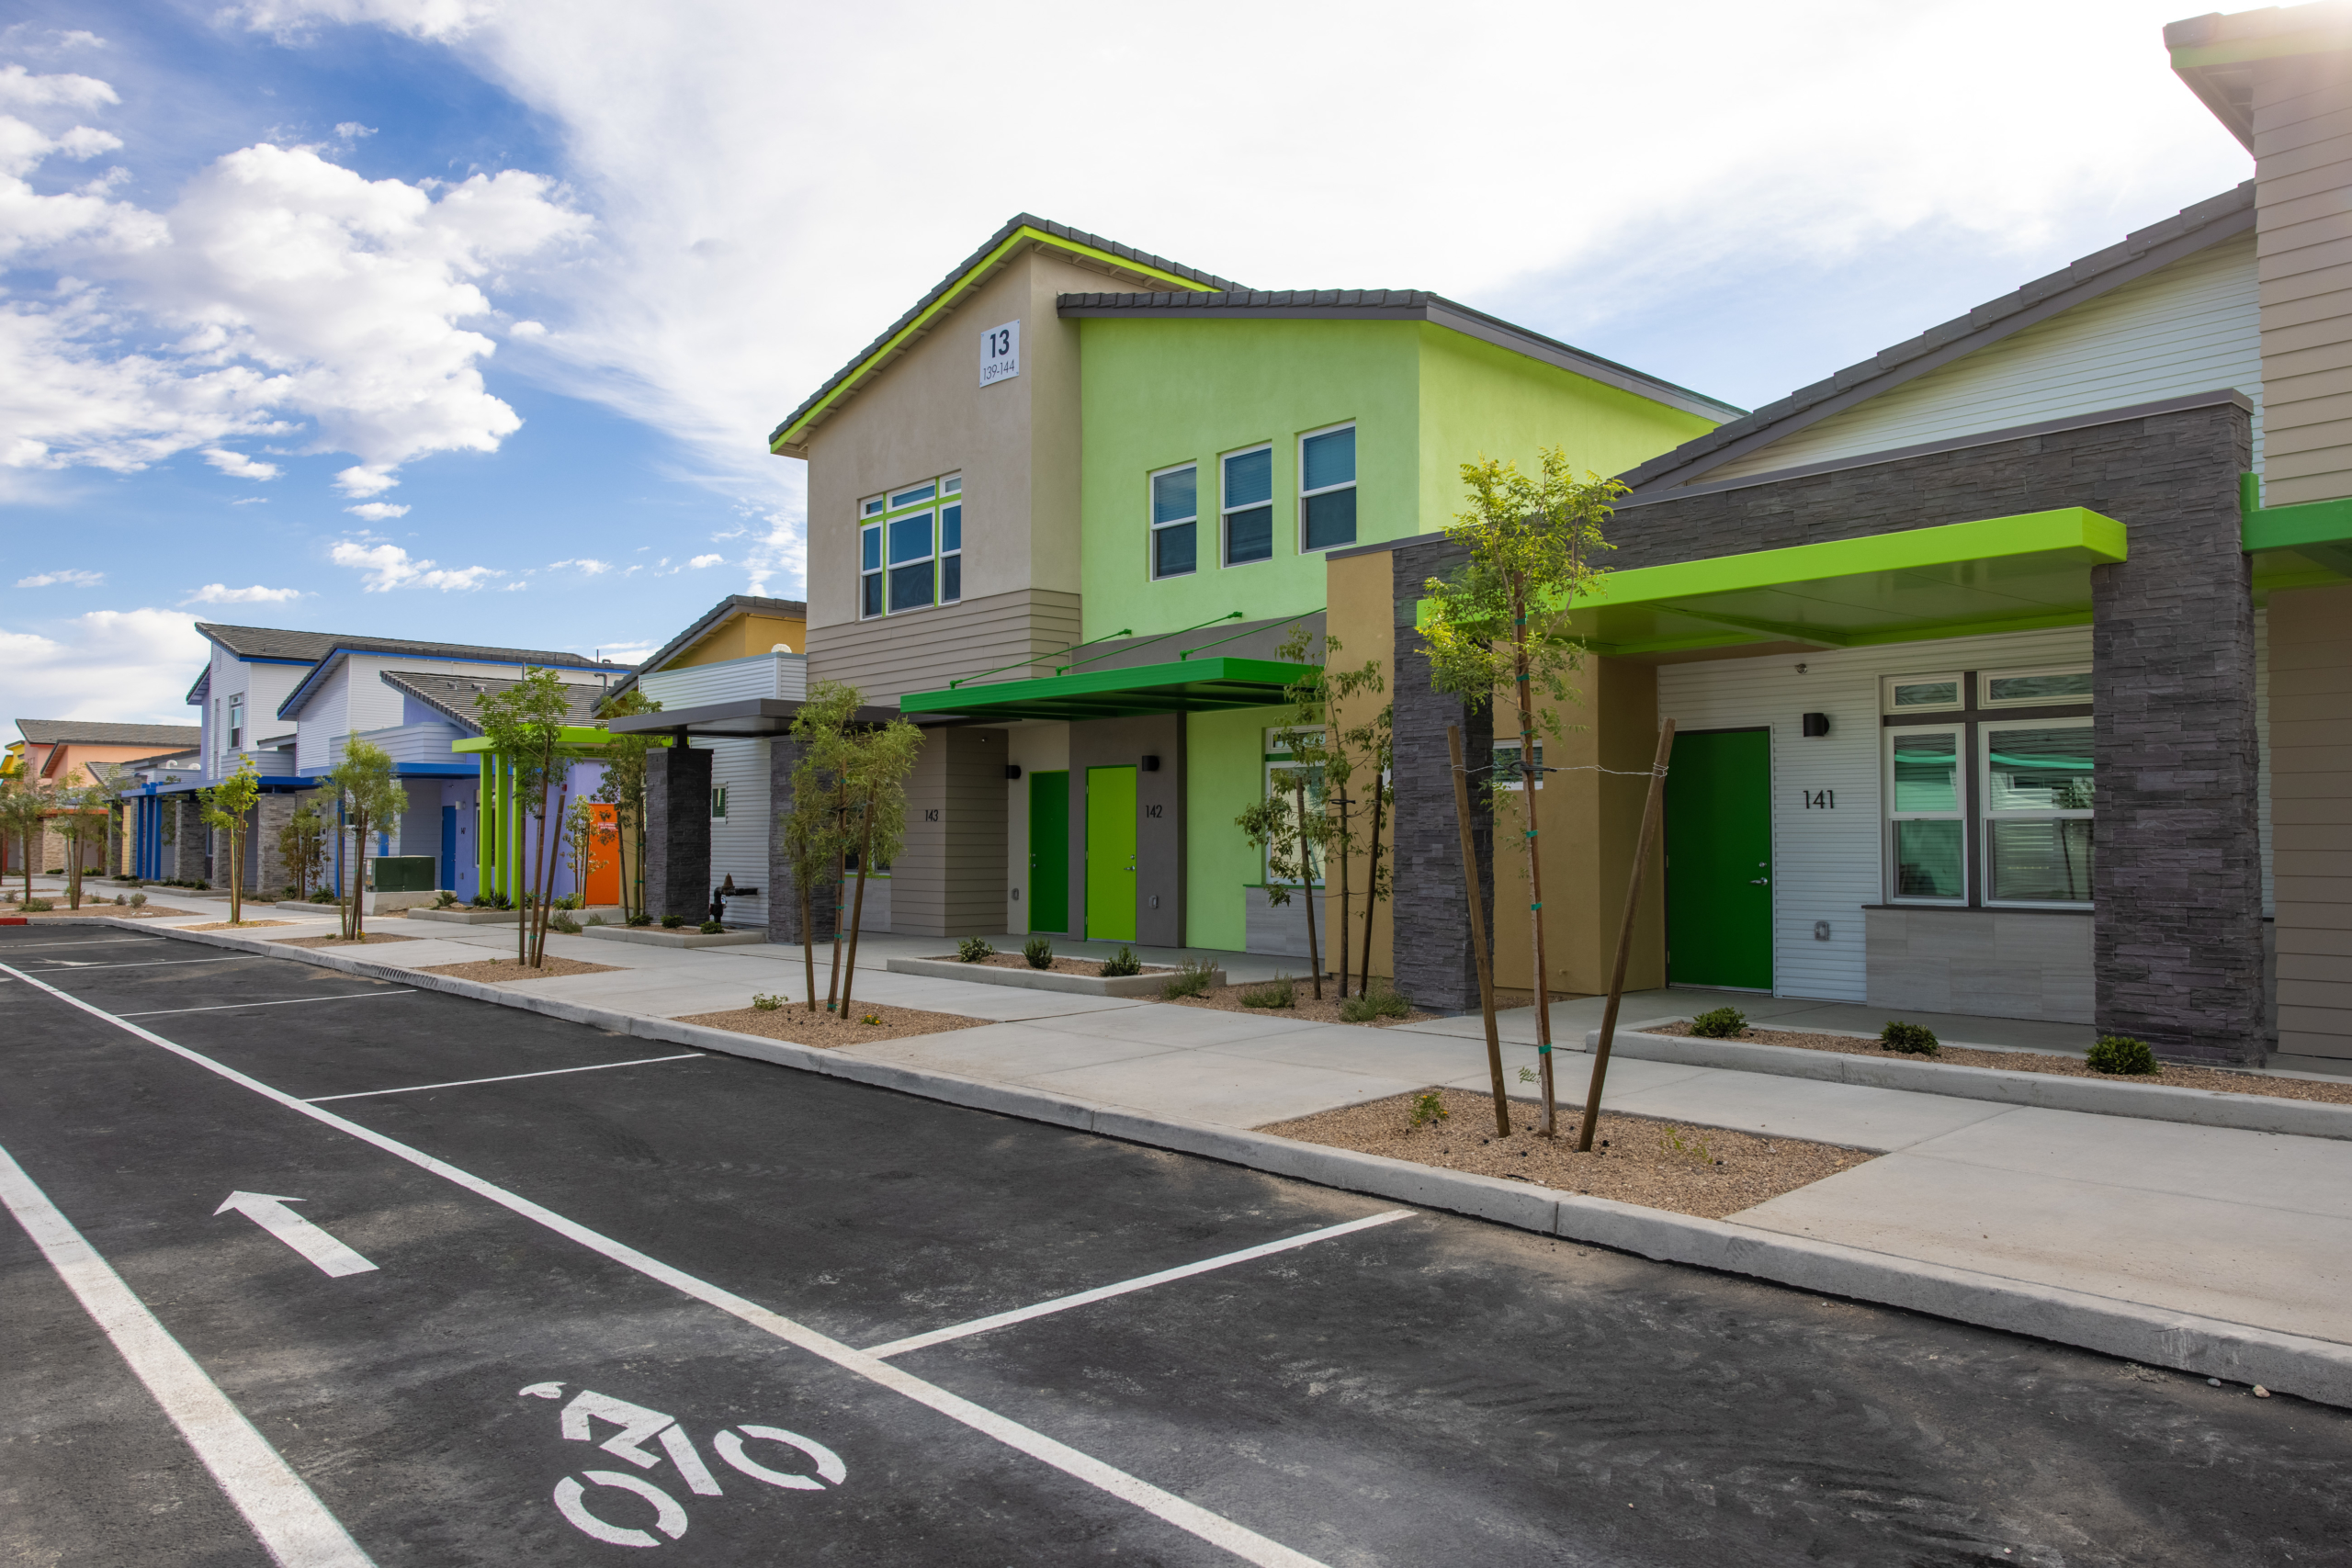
(2316, 230)
(2324, 171)
(2314, 410)
(922, 651)
(2296, 480)
(2320, 275)
(2315, 333)
(2311, 707)
(2328, 383)
(949, 882)
(2333, 438)
(2288, 266)
(1362, 615)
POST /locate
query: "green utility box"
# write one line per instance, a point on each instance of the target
(404, 873)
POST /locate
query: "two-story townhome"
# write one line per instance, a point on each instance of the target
(72, 753)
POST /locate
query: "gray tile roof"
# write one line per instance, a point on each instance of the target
(89, 732)
(309, 648)
(1018, 222)
(2135, 255)
(452, 697)
(786, 609)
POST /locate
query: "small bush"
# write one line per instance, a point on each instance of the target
(1722, 1023)
(672, 922)
(1278, 992)
(766, 1003)
(636, 920)
(1122, 963)
(2122, 1054)
(137, 899)
(120, 899)
(1190, 980)
(1911, 1039)
(1429, 1108)
(974, 949)
(562, 921)
(1382, 1003)
(1038, 952)
(569, 901)
(37, 906)
(444, 899)
(711, 927)
(872, 1018)
(1674, 1145)
(482, 901)
(595, 919)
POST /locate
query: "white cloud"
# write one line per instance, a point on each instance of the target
(389, 567)
(586, 566)
(236, 465)
(20, 89)
(352, 131)
(127, 666)
(627, 652)
(377, 511)
(221, 593)
(701, 561)
(528, 330)
(418, 18)
(66, 578)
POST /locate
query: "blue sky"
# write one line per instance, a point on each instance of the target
(467, 319)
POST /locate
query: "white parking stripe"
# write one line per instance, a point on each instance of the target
(1214, 1529)
(293, 1525)
(508, 1077)
(286, 1002)
(93, 941)
(65, 966)
(1104, 1292)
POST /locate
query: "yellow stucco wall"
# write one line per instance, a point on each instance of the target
(743, 636)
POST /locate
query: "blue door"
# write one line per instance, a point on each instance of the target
(448, 848)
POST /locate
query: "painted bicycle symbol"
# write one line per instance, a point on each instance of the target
(639, 1426)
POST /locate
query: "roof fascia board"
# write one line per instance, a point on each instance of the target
(788, 436)
(2277, 46)
(1099, 681)
(2154, 258)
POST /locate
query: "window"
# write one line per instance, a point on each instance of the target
(1928, 828)
(950, 553)
(236, 721)
(1248, 506)
(1921, 694)
(1508, 773)
(910, 548)
(1327, 489)
(2039, 783)
(719, 802)
(1175, 521)
(2029, 688)
(870, 565)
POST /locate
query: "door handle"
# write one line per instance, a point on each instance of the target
(1759, 882)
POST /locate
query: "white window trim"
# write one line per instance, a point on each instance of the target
(1153, 524)
(1889, 816)
(1985, 679)
(880, 572)
(1887, 683)
(1299, 528)
(1521, 785)
(1989, 815)
(1224, 513)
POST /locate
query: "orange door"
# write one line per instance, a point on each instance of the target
(604, 858)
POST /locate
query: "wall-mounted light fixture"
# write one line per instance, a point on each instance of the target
(1817, 725)
(1151, 764)
(1012, 770)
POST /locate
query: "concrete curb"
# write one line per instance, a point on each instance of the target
(653, 936)
(2046, 1091)
(1146, 985)
(2317, 1369)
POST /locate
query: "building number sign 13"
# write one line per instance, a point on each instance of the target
(1820, 800)
(1000, 354)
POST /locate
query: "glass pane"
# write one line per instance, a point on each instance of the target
(1282, 784)
(951, 528)
(1332, 519)
(2039, 770)
(1250, 535)
(1927, 695)
(950, 579)
(910, 538)
(1331, 459)
(1173, 550)
(871, 507)
(910, 586)
(908, 496)
(2073, 688)
(1926, 773)
(1507, 770)
(873, 598)
(872, 549)
(1927, 860)
(1176, 496)
(2042, 863)
(1250, 477)
(951, 487)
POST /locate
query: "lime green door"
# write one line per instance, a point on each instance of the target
(1049, 852)
(1719, 860)
(1111, 853)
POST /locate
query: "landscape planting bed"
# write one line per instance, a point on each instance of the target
(1083, 976)
(799, 1026)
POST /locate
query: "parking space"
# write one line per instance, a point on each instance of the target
(631, 1306)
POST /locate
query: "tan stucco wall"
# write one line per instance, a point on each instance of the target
(744, 636)
(1363, 618)
(72, 768)
(2310, 815)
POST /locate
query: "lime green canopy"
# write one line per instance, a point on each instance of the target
(1196, 685)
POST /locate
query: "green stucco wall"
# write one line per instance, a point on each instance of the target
(1225, 759)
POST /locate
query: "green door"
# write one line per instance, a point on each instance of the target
(1719, 860)
(1111, 853)
(1049, 852)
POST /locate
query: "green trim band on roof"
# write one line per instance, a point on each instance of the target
(2303, 546)
(947, 301)
(1197, 686)
(573, 735)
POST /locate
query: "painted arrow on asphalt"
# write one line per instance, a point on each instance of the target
(272, 1215)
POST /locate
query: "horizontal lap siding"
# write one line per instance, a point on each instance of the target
(2310, 713)
(2303, 125)
(922, 651)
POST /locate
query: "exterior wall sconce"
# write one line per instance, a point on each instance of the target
(1012, 770)
(1817, 725)
(1151, 764)
(1821, 931)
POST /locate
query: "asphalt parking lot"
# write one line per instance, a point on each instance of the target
(553, 1295)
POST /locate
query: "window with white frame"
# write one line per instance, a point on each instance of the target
(719, 802)
(1927, 827)
(1246, 505)
(1508, 773)
(2037, 788)
(1327, 489)
(910, 548)
(1176, 521)
(236, 720)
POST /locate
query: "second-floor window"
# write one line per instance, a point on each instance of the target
(1249, 505)
(236, 721)
(1176, 521)
(910, 548)
(1327, 489)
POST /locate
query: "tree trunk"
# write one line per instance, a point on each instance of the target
(841, 876)
(857, 907)
(1478, 929)
(359, 882)
(237, 880)
(1371, 888)
(809, 943)
(1650, 811)
(1344, 933)
(1307, 875)
(551, 830)
(1530, 781)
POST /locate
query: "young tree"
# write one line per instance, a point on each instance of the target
(524, 726)
(302, 847)
(367, 795)
(81, 822)
(1499, 623)
(1286, 827)
(812, 823)
(1338, 755)
(582, 837)
(623, 789)
(226, 806)
(880, 763)
(22, 809)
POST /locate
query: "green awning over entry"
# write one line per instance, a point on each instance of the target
(1194, 685)
(2296, 547)
(1998, 574)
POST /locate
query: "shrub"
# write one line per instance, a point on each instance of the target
(1122, 963)
(444, 899)
(1429, 1107)
(570, 901)
(711, 927)
(1038, 952)
(595, 919)
(482, 901)
(37, 906)
(1911, 1039)
(766, 1003)
(1382, 1003)
(672, 922)
(1278, 992)
(1722, 1023)
(640, 920)
(120, 899)
(562, 921)
(2122, 1054)
(873, 1018)
(1191, 980)
(137, 899)
(1673, 1146)
(974, 949)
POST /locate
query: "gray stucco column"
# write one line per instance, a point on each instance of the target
(784, 895)
(677, 834)
(1435, 964)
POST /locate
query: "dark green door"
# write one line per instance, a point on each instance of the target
(1049, 852)
(1719, 860)
(1111, 853)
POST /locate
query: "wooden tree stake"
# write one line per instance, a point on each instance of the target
(1478, 929)
(1651, 811)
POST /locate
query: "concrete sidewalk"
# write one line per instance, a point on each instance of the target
(2249, 1228)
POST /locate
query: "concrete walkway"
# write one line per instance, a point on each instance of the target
(2249, 1227)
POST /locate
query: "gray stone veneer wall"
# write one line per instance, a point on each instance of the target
(1434, 963)
(677, 836)
(784, 893)
(191, 842)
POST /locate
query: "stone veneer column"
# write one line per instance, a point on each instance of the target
(1434, 964)
(191, 840)
(784, 895)
(677, 836)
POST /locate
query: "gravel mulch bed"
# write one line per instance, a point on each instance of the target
(236, 925)
(498, 970)
(1061, 966)
(1704, 1171)
(2172, 1074)
(370, 938)
(797, 1025)
(1228, 999)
